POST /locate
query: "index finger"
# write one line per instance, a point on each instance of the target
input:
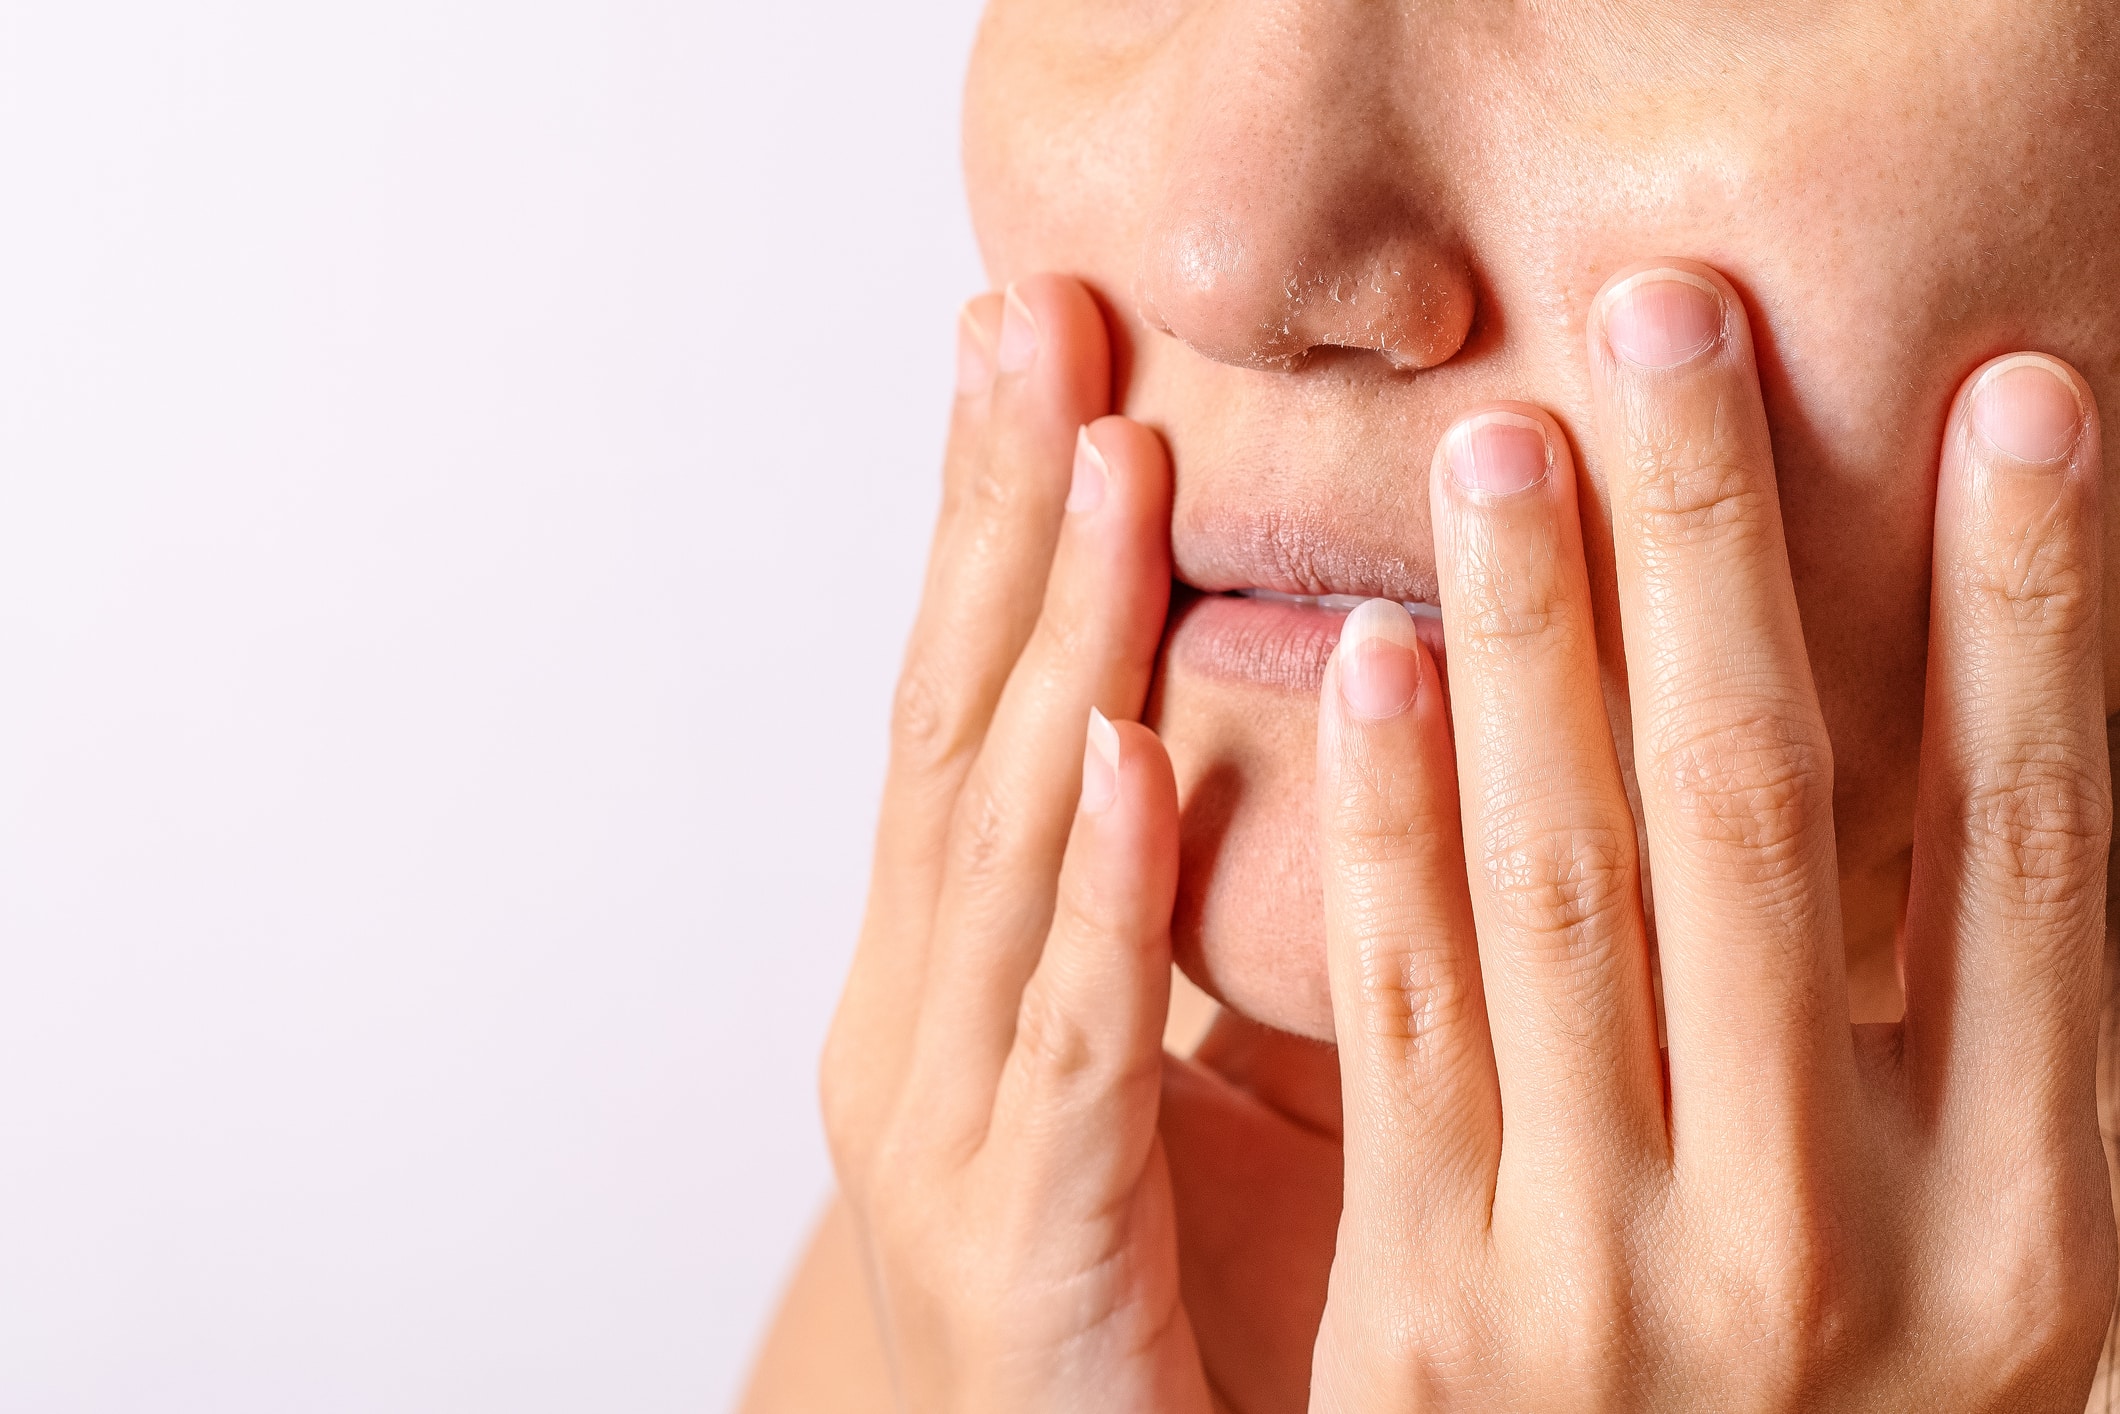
(1730, 747)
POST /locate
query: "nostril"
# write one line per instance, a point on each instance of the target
(1245, 298)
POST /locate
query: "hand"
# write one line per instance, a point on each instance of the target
(1795, 1214)
(993, 1076)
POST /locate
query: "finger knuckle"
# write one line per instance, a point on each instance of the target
(1051, 1044)
(1752, 786)
(2044, 1300)
(1382, 813)
(1507, 608)
(2034, 579)
(1597, 1331)
(929, 725)
(889, 1197)
(1564, 891)
(989, 493)
(854, 1095)
(2037, 822)
(1799, 1303)
(983, 834)
(1685, 498)
(1061, 635)
(1412, 995)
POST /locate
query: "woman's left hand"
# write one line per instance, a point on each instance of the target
(1793, 1213)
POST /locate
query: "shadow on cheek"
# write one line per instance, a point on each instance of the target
(1203, 829)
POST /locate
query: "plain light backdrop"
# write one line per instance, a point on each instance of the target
(464, 471)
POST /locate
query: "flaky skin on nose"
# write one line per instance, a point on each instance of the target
(1278, 238)
(1249, 294)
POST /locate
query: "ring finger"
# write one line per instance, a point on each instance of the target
(1555, 883)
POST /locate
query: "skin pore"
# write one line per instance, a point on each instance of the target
(1317, 233)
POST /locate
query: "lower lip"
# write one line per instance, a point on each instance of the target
(1267, 642)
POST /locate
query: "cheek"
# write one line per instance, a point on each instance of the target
(1064, 126)
(1249, 926)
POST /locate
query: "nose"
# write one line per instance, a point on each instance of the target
(1294, 218)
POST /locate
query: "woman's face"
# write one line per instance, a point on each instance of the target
(1322, 228)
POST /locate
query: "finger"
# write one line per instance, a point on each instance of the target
(1005, 477)
(1735, 769)
(1093, 646)
(1556, 882)
(2006, 921)
(1082, 1078)
(1421, 1112)
(1073, 1151)
(1045, 374)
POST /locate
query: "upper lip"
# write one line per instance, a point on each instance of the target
(1297, 551)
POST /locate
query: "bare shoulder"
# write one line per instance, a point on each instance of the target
(823, 1354)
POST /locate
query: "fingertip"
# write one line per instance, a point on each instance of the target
(1052, 326)
(1145, 762)
(2028, 407)
(1135, 458)
(1379, 660)
(1142, 806)
(1664, 316)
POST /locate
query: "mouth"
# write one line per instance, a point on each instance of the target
(1270, 638)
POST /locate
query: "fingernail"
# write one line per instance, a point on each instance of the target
(1663, 318)
(1100, 764)
(1380, 670)
(1019, 334)
(1086, 492)
(975, 369)
(1497, 453)
(2026, 408)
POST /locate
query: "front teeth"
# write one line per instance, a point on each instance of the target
(1339, 603)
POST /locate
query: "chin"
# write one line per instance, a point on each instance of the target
(1249, 927)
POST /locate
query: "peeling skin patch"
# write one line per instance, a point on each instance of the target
(1206, 253)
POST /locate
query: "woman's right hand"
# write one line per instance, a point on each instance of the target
(992, 1080)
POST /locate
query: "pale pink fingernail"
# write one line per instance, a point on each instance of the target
(1086, 491)
(975, 367)
(1380, 670)
(1663, 318)
(1100, 764)
(1497, 453)
(2026, 407)
(1019, 334)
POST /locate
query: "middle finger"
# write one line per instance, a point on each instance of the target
(1555, 887)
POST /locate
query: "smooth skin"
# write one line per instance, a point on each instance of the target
(1542, 1208)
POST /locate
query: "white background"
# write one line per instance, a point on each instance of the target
(464, 469)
